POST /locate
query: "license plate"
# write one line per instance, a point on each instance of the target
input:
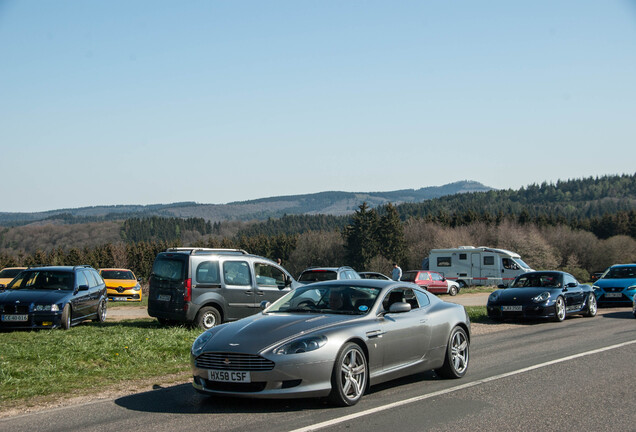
(163, 297)
(229, 376)
(613, 295)
(126, 299)
(15, 317)
(511, 308)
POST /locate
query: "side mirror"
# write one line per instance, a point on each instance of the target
(82, 288)
(265, 304)
(572, 285)
(140, 280)
(400, 307)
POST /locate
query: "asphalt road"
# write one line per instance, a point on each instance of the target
(578, 374)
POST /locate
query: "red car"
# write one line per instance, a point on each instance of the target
(431, 281)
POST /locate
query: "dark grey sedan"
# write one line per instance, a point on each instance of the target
(333, 339)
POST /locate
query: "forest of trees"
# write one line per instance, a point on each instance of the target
(576, 225)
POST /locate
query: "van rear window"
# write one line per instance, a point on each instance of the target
(171, 269)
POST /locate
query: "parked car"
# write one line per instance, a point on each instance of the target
(544, 294)
(373, 275)
(121, 284)
(7, 274)
(431, 281)
(50, 297)
(333, 339)
(617, 286)
(597, 275)
(320, 274)
(206, 287)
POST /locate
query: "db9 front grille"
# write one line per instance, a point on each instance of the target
(233, 361)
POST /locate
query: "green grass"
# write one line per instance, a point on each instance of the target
(57, 362)
(477, 314)
(477, 289)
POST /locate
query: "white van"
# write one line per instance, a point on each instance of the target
(482, 265)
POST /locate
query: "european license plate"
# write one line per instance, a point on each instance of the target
(163, 297)
(229, 376)
(15, 317)
(613, 295)
(511, 308)
(120, 298)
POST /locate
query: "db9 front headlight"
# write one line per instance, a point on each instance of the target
(302, 345)
(137, 287)
(200, 342)
(544, 296)
(595, 288)
(493, 297)
(46, 308)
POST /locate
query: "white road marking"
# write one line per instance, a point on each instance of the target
(454, 389)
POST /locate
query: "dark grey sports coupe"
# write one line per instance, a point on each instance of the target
(333, 339)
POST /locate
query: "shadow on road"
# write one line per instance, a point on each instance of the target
(183, 399)
(624, 314)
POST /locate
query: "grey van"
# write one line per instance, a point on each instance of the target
(207, 287)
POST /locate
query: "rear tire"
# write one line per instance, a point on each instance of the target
(207, 318)
(457, 355)
(461, 284)
(66, 317)
(101, 312)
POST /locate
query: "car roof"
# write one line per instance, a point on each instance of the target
(59, 268)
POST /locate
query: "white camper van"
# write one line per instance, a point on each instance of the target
(470, 265)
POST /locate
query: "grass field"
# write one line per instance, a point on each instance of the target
(45, 362)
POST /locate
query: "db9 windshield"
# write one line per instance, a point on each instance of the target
(333, 299)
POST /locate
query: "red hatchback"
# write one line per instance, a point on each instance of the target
(431, 281)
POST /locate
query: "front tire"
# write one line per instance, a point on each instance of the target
(592, 308)
(559, 309)
(207, 318)
(66, 317)
(349, 376)
(452, 290)
(457, 355)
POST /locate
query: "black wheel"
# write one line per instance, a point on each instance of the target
(101, 312)
(559, 309)
(349, 376)
(457, 355)
(461, 284)
(591, 308)
(452, 290)
(207, 318)
(66, 317)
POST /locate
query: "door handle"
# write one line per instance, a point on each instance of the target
(260, 293)
(375, 333)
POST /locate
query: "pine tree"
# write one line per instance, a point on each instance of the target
(360, 237)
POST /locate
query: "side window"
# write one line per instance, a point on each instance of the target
(410, 298)
(80, 279)
(436, 276)
(462, 256)
(208, 273)
(568, 279)
(236, 273)
(351, 275)
(443, 261)
(489, 260)
(97, 277)
(422, 298)
(269, 276)
(92, 283)
(423, 276)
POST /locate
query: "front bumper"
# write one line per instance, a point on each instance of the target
(35, 320)
(292, 376)
(614, 297)
(526, 312)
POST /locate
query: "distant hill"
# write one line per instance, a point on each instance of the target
(327, 203)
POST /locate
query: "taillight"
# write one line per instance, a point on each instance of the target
(187, 292)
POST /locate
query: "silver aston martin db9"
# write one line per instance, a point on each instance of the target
(333, 339)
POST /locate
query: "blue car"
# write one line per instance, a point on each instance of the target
(51, 297)
(617, 287)
(542, 294)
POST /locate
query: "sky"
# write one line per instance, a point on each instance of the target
(154, 102)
